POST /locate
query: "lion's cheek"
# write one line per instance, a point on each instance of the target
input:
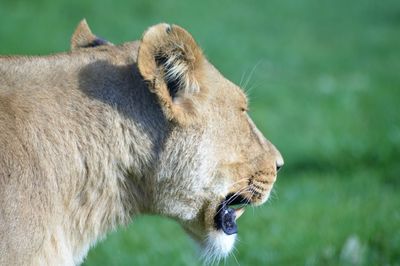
(177, 210)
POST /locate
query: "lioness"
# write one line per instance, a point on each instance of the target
(93, 137)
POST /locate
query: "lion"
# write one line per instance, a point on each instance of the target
(93, 137)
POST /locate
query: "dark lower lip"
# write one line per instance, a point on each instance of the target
(225, 217)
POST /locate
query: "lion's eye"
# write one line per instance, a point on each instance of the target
(243, 110)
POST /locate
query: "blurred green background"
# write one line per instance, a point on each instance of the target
(324, 84)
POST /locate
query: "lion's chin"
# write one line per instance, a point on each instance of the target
(217, 246)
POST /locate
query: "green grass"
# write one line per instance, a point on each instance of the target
(324, 84)
(306, 222)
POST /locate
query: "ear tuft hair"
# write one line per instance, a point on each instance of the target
(177, 73)
(174, 81)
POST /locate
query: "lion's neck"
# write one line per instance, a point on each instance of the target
(115, 160)
(95, 130)
(107, 147)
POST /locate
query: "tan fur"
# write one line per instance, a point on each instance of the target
(84, 38)
(93, 137)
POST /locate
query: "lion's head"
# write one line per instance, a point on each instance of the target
(213, 157)
(212, 160)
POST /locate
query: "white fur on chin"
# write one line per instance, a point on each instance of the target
(217, 246)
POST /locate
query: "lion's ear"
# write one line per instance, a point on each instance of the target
(171, 62)
(84, 38)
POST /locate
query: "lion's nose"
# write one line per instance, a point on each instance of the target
(279, 163)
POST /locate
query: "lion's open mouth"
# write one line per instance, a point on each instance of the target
(228, 212)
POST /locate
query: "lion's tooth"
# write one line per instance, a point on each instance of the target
(238, 213)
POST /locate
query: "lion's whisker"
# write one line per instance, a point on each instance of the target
(236, 195)
(233, 197)
(233, 254)
(242, 78)
(251, 74)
